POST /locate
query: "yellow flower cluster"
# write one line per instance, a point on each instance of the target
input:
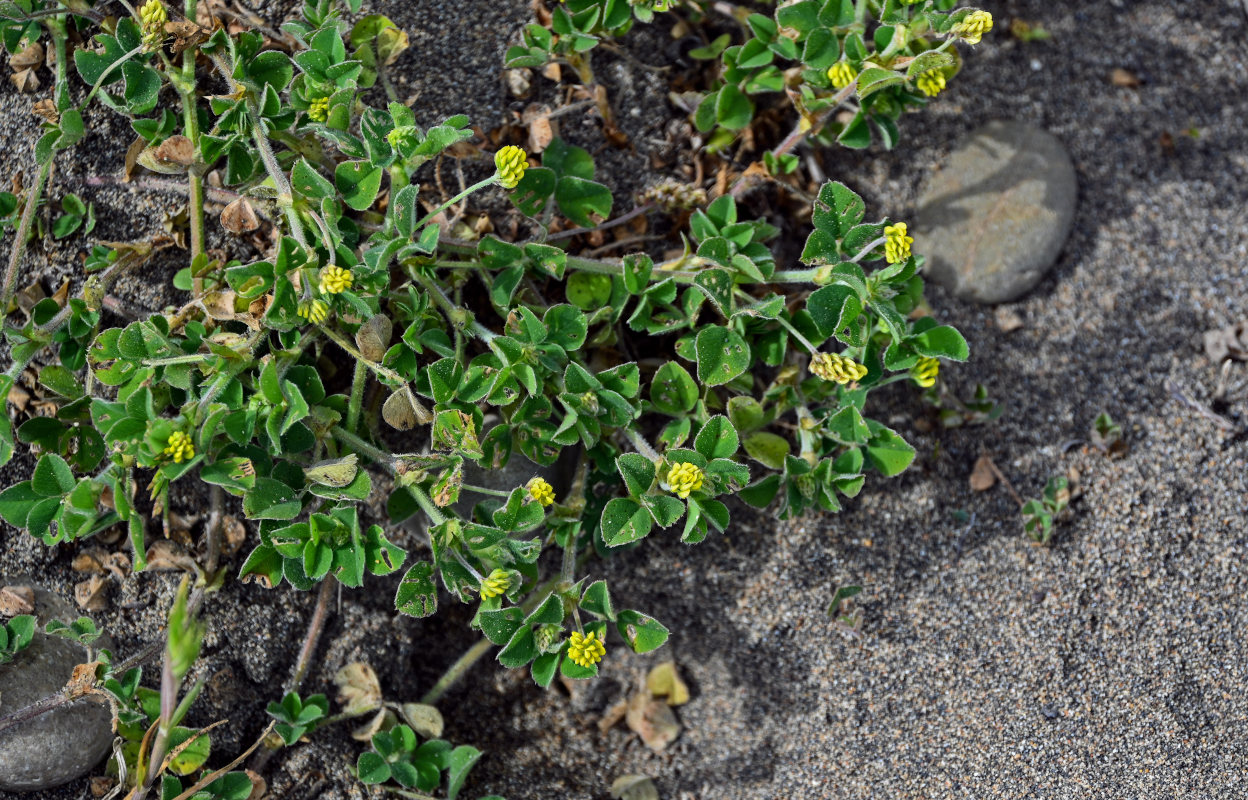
(314, 311)
(179, 447)
(842, 74)
(496, 584)
(585, 650)
(541, 491)
(335, 279)
(925, 372)
(152, 19)
(685, 478)
(931, 83)
(318, 111)
(897, 243)
(972, 27)
(511, 162)
(837, 368)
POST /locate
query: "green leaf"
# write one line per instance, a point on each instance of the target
(838, 208)
(405, 210)
(543, 671)
(939, 342)
(672, 390)
(874, 79)
(52, 476)
(767, 448)
(733, 109)
(664, 509)
(566, 326)
(271, 499)
(722, 355)
(417, 595)
(500, 625)
(588, 290)
(309, 183)
(834, 308)
(887, 451)
(597, 600)
(637, 471)
(927, 61)
(643, 633)
(624, 521)
(359, 182)
(372, 768)
(461, 762)
(580, 200)
(717, 438)
(271, 67)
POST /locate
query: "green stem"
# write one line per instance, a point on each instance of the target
(285, 194)
(643, 447)
(354, 352)
(478, 185)
(810, 348)
(23, 232)
(482, 490)
(195, 203)
(456, 671)
(358, 380)
(387, 461)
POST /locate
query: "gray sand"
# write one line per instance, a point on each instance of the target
(1110, 664)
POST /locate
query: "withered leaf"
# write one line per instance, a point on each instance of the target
(239, 217)
(424, 719)
(30, 57)
(634, 787)
(25, 80)
(16, 600)
(90, 593)
(373, 337)
(358, 688)
(983, 477)
(664, 681)
(652, 720)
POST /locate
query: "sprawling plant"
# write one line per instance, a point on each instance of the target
(283, 381)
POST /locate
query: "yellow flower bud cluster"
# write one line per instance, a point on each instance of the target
(931, 83)
(842, 74)
(685, 478)
(496, 584)
(896, 243)
(837, 368)
(335, 279)
(318, 111)
(924, 373)
(314, 311)
(152, 19)
(671, 195)
(973, 26)
(541, 491)
(511, 162)
(585, 650)
(179, 447)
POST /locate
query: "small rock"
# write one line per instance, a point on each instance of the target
(995, 217)
(64, 743)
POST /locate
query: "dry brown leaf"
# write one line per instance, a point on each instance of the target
(358, 688)
(175, 150)
(234, 534)
(552, 72)
(1124, 78)
(16, 600)
(664, 681)
(25, 80)
(90, 593)
(380, 721)
(61, 295)
(519, 82)
(634, 787)
(402, 411)
(983, 477)
(373, 337)
(239, 217)
(89, 560)
(424, 719)
(45, 110)
(613, 716)
(102, 785)
(165, 554)
(652, 720)
(1228, 342)
(259, 786)
(29, 296)
(30, 57)
(1007, 319)
(19, 397)
(220, 304)
(186, 34)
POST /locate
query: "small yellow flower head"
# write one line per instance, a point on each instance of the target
(837, 368)
(496, 584)
(897, 243)
(314, 311)
(511, 162)
(925, 372)
(973, 26)
(335, 279)
(585, 650)
(931, 83)
(541, 491)
(685, 478)
(152, 18)
(319, 110)
(842, 74)
(179, 447)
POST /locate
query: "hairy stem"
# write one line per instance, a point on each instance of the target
(285, 194)
(23, 233)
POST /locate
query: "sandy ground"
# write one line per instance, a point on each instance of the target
(1110, 664)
